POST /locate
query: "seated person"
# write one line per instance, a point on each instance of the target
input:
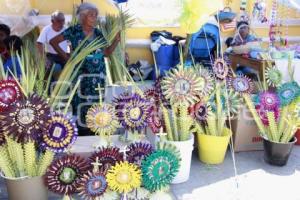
(243, 35)
(4, 33)
(13, 45)
(248, 71)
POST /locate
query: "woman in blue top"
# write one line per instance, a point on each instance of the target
(92, 72)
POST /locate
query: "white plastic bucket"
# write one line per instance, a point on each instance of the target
(186, 149)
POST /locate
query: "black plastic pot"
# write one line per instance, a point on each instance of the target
(277, 153)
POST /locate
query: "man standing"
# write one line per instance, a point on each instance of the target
(44, 47)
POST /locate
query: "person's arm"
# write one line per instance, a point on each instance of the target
(114, 44)
(54, 42)
(41, 41)
(40, 48)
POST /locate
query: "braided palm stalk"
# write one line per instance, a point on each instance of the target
(175, 121)
(254, 115)
(211, 124)
(17, 155)
(44, 162)
(6, 165)
(273, 127)
(185, 122)
(283, 116)
(219, 121)
(167, 123)
(30, 159)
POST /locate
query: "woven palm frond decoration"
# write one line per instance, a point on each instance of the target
(182, 86)
(268, 100)
(107, 156)
(241, 84)
(102, 119)
(199, 111)
(133, 112)
(60, 133)
(124, 177)
(25, 120)
(9, 93)
(139, 194)
(273, 77)
(159, 91)
(2, 139)
(233, 102)
(160, 167)
(155, 121)
(110, 195)
(206, 79)
(288, 92)
(220, 69)
(262, 113)
(138, 151)
(64, 174)
(92, 185)
(152, 95)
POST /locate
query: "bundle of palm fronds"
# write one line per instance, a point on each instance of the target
(18, 156)
(21, 159)
(110, 28)
(178, 123)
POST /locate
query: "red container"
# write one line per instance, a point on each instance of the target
(297, 135)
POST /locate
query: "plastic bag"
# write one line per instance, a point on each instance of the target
(16, 14)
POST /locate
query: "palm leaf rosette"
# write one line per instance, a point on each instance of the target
(138, 151)
(182, 86)
(107, 156)
(155, 121)
(2, 139)
(9, 93)
(60, 133)
(102, 119)
(124, 177)
(199, 111)
(159, 91)
(92, 185)
(267, 101)
(288, 92)
(241, 84)
(25, 120)
(139, 194)
(152, 95)
(133, 112)
(229, 102)
(206, 80)
(64, 174)
(220, 69)
(160, 167)
(273, 76)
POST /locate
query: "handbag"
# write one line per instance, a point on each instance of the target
(226, 15)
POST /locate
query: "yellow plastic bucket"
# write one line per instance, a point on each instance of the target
(212, 149)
